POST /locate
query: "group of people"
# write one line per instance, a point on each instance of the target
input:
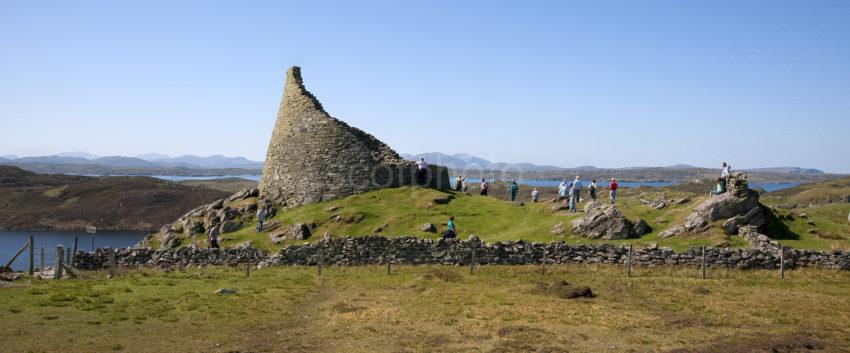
(460, 184)
(570, 192)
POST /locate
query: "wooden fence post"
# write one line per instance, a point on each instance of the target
(112, 262)
(321, 259)
(703, 262)
(389, 260)
(629, 263)
(248, 269)
(782, 262)
(31, 268)
(57, 270)
(74, 253)
(472, 261)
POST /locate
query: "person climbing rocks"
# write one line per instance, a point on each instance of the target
(535, 195)
(727, 170)
(592, 189)
(613, 193)
(719, 188)
(577, 185)
(261, 217)
(484, 187)
(458, 183)
(212, 236)
(421, 171)
(513, 187)
(450, 232)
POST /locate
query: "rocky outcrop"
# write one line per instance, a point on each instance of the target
(297, 231)
(314, 157)
(757, 240)
(738, 205)
(604, 221)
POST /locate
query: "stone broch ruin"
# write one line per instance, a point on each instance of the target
(314, 157)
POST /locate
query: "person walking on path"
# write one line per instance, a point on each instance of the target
(535, 195)
(513, 188)
(458, 182)
(450, 232)
(421, 171)
(484, 187)
(592, 189)
(261, 217)
(212, 236)
(577, 185)
(613, 193)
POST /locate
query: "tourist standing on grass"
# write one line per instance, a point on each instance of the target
(613, 193)
(727, 171)
(577, 185)
(512, 189)
(563, 189)
(535, 195)
(261, 217)
(592, 189)
(484, 187)
(421, 170)
(458, 182)
(212, 236)
(571, 205)
(450, 232)
(463, 184)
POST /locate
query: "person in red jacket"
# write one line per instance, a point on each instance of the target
(613, 188)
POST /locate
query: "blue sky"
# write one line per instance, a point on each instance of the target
(604, 83)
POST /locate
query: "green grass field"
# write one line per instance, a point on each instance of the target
(429, 309)
(400, 211)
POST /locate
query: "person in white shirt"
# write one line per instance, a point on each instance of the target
(727, 171)
(421, 171)
(535, 195)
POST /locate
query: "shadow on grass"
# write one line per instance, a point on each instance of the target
(777, 229)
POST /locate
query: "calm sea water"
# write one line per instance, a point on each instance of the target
(12, 240)
(182, 177)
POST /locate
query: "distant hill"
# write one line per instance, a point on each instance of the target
(82, 163)
(789, 170)
(153, 156)
(63, 202)
(463, 161)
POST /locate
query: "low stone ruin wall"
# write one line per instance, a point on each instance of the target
(411, 250)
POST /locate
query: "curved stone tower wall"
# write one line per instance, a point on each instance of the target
(314, 157)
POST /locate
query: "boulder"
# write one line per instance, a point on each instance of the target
(442, 200)
(297, 231)
(736, 201)
(757, 240)
(641, 228)
(242, 194)
(230, 226)
(215, 205)
(228, 213)
(560, 206)
(683, 200)
(558, 229)
(225, 291)
(168, 241)
(428, 227)
(755, 217)
(602, 222)
(657, 204)
(674, 230)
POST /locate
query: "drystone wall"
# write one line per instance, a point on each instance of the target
(314, 157)
(412, 250)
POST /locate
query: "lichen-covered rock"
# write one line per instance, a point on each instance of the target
(558, 229)
(756, 217)
(230, 226)
(641, 228)
(738, 200)
(674, 230)
(428, 227)
(603, 222)
(757, 240)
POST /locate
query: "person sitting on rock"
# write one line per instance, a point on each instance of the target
(421, 171)
(719, 188)
(535, 195)
(450, 232)
(513, 188)
(484, 187)
(212, 236)
(727, 171)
